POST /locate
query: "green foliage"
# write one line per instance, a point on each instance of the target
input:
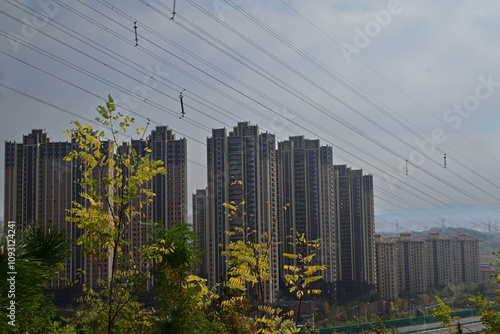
(312, 330)
(115, 186)
(378, 327)
(184, 297)
(248, 264)
(40, 251)
(131, 317)
(175, 248)
(300, 276)
(442, 312)
(271, 322)
(248, 261)
(203, 323)
(489, 316)
(235, 312)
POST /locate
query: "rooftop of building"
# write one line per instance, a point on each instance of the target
(433, 235)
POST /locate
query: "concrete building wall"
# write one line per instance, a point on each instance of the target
(241, 170)
(41, 185)
(425, 262)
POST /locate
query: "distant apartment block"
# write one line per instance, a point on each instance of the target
(407, 265)
(386, 253)
(39, 184)
(413, 262)
(487, 271)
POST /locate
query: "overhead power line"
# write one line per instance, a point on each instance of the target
(214, 106)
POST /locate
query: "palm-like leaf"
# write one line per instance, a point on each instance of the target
(39, 251)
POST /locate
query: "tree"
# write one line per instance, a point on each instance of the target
(490, 317)
(248, 262)
(378, 327)
(304, 272)
(423, 299)
(182, 296)
(114, 188)
(248, 259)
(202, 319)
(40, 251)
(442, 312)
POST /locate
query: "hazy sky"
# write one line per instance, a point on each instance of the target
(374, 79)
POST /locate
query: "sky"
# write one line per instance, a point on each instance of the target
(392, 86)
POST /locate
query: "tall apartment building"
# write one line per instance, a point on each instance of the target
(407, 265)
(200, 227)
(248, 156)
(355, 229)
(306, 200)
(39, 184)
(170, 202)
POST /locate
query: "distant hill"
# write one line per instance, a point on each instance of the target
(485, 218)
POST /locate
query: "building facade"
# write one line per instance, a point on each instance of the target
(306, 200)
(200, 227)
(386, 254)
(241, 170)
(41, 185)
(411, 266)
(355, 230)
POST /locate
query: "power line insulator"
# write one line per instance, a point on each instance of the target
(182, 104)
(173, 12)
(135, 29)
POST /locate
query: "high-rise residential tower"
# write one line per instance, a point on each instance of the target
(200, 227)
(40, 184)
(355, 229)
(170, 202)
(241, 169)
(306, 199)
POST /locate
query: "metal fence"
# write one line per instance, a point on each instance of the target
(399, 322)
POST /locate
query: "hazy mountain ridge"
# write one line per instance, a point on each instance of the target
(456, 215)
